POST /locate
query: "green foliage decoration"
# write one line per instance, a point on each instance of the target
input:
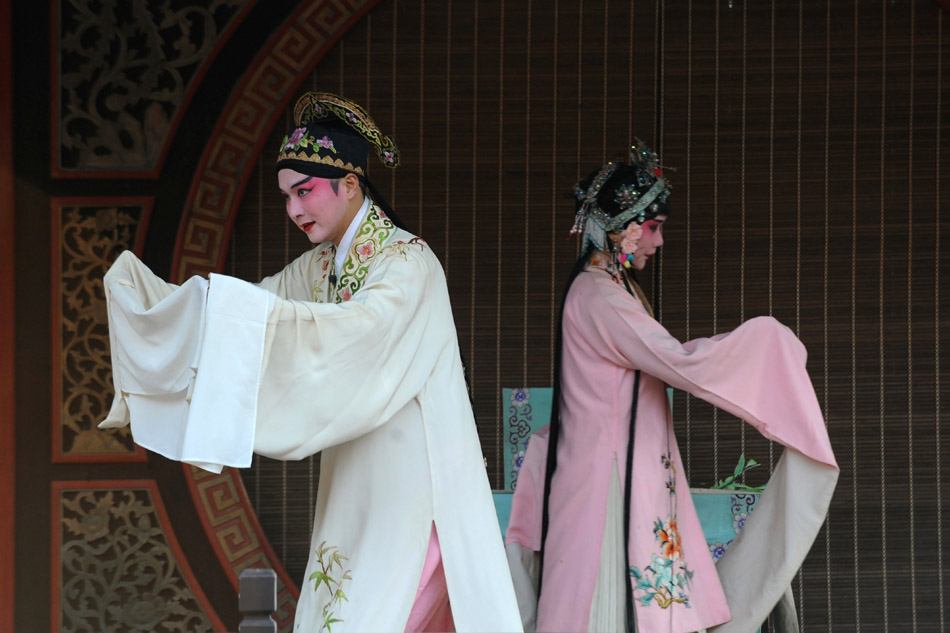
(331, 562)
(731, 482)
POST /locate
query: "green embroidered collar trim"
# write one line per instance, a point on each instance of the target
(371, 236)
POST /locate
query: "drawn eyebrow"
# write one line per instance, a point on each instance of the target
(295, 185)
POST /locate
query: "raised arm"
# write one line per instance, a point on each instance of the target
(756, 372)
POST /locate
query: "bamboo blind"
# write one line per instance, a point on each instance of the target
(810, 145)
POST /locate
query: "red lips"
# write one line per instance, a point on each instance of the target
(307, 226)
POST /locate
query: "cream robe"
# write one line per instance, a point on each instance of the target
(375, 383)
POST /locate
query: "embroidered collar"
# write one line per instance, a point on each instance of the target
(347, 239)
(372, 234)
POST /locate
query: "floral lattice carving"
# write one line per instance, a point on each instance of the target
(125, 68)
(91, 237)
(118, 572)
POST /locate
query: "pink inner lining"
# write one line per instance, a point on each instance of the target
(431, 610)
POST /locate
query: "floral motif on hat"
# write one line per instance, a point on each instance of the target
(327, 143)
(314, 106)
(295, 139)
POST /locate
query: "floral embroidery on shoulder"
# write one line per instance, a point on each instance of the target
(320, 285)
(401, 246)
(365, 251)
(370, 241)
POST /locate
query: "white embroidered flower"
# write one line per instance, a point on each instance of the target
(520, 397)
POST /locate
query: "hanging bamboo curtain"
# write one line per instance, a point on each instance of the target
(811, 153)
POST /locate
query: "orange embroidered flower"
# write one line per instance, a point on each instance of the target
(669, 537)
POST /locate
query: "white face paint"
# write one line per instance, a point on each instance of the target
(650, 241)
(314, 206)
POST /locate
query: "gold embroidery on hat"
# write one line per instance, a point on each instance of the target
(323, 160)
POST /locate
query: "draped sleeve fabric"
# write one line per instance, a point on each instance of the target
(524, 524)
(130, 290)
(523, 536)
(159, 334)
(756, 372)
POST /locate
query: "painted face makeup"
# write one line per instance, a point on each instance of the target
(314, 206)
(650, 241)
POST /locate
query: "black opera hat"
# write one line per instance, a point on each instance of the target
(332, 137)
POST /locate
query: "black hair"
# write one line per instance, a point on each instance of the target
(382, 203)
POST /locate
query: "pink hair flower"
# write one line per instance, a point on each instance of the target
(630, 236)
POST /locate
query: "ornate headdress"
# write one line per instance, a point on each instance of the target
(630, 191)
(331, 137)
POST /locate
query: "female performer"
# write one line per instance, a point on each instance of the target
(621, 546)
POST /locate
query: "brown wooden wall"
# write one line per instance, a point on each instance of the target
(810, 143)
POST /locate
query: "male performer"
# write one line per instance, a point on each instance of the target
(351, 351)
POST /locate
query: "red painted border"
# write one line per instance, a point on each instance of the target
(56, 206)
(232, 565)
(59, 486)
(7, 318)
(56, 170)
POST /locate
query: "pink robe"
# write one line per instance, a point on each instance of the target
(757, 372)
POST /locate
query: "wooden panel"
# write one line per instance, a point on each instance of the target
(116, 563)
(88, 234)
(124, 75)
